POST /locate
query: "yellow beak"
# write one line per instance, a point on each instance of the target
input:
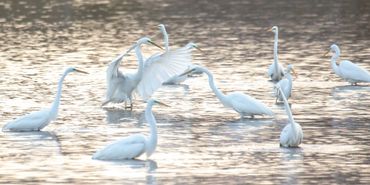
(326, 54)
(154, 44)
(80, 71)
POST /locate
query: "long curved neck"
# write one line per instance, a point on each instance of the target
(152, 142)
(290, 79)
(140, 59)
(287, 108)
(217, 92)
(333, 62)
(55, 105)
(165, 38)
(276, 59)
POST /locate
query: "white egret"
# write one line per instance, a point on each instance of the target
(162, 28)
(347, 70)
(120, 86)
(244, 104)
(275, 71)
(36, 121)
(135, 145)
(292, 134)
(151, 73)
(286, 84)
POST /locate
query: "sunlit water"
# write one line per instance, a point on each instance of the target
(200, 141)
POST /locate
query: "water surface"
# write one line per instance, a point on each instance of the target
(200, 141)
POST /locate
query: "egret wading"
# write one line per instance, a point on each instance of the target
(244, 104)
(120, 86)
(135, 145)
(276, 70)
(347, 70)
(286, 84)
(35, 121)
(292, 134)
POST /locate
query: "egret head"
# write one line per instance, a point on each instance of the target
(193, 69)
(162, 27)
(291, 69)
(333, 48)
(274, 29)
(72, 69)
(192, 45)
(154, 102)
(146, 40)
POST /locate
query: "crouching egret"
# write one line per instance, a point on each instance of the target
(275, 71)
(286, 84)
(36, 121)
(121, 86)
(135, 145)
(292, 134)
(244, 104)
(347, 70)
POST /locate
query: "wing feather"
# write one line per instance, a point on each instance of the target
(33, 121)
(161, 67)
(353, 72)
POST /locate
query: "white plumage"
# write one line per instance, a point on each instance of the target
(286, 84)
(276, 70)
(159, 68)
(292, 134)
(36, 121)
(135, 145)
(151, 74)
(347, 70)
(244, 104)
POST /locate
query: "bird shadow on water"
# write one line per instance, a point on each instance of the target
(339, 91)
(149, 164)
(35, 138)
(116, 116)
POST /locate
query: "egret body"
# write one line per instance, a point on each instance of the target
(276, 71)
(135, 145)
(292, 134)
(244, 104)
(347, 70)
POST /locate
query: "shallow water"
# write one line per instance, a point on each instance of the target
(200, 141)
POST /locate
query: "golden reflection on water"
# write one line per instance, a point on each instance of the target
(200, 141)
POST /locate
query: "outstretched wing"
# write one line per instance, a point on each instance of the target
(161, 67)
(114, 76)
(352, 71)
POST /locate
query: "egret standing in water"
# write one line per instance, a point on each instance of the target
(244, 104)
(292, 134)
(286, 84)
(275, 71)
(135, 145)
(347, 70)
(121, 86)
(36, 121)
